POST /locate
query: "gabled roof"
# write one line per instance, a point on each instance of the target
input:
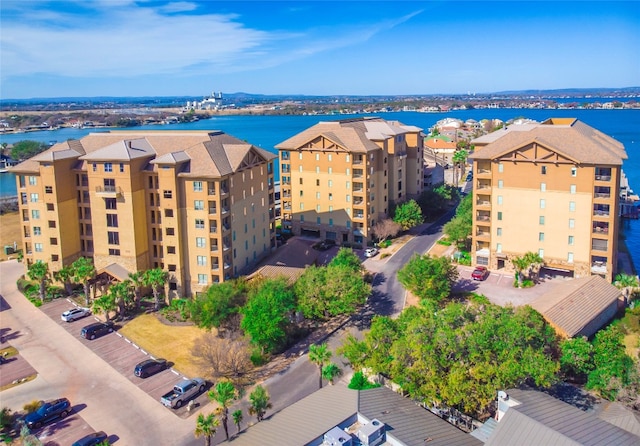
(60, 151)
(569, 137)
(541, 419)
(122, 150)
(573, 304)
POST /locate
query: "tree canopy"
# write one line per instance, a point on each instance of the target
(23, 150)
(427, 277)
(460, 227)
(219, 303)
(408, 215)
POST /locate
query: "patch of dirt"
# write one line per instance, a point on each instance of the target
(10, 228)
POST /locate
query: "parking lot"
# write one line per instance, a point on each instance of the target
(122, 355)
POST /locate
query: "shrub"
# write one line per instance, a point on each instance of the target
(385, 243)
(384, 255)
(444, 242)
(360, 382)
(32, 406)
(258, 358)
(527, 283)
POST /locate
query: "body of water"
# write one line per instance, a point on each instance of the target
(267, 131)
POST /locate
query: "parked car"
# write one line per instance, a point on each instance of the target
(182, 392)
(74, 314)
(91, 439)
(480, 273)
(370, 252)
(96, 330)
(150, 367)
(49, 411)
(324, 245)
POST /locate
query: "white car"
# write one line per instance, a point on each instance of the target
(75, 314)
(370, 252)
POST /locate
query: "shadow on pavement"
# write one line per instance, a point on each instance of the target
(4, 305)
(6, 335)
(465, 286)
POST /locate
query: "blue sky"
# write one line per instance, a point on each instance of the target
(190, 48)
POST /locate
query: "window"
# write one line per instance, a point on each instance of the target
(53, 241)
(299, 155)
(171, 249)
(500, 167)
(348, 198)
(572, 189)
(199, 223)
(330, 196)
(541, 236)
(302, 219)
(317, 195)
(110, 203)
(114, 252)
(541, 253)
(202, 260)
(34, 198)
(198, 205)
(500, 184)
(348, 185)
(318, 208)
(202, 279)
(574, 171)
(543, 203)
(569, 257)
(331, 171)
(121, 167)
(302, 206)
(32, 181)
(543, 170)
(197, 186)
(499, 199)
(113, 238)
(50, 207)
(541, 220)
(52, 223)
(112, 220)
(499, 231)
(95, 167)
(108, 167)
(330, 183)
(167, 194)
(543, 187)
(330, 157)
(570, 241)
(38, 247)
(168, 212)
(331, 222)
(499, 215)
(572, 223)
(572, 206)
(35, 214)
(330, 208)
(317, 157)
(55, 257)
(499, 247)
(37, 230)
(200, 242)
(171, 231)
(48, 189)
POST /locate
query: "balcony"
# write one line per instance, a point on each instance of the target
(483, 234)
(215, 266)
(357, 201)
(214, 247)
(211, 191)
(601, 213)
(602, 228)
(227, 265)
(599, 267)
(213, 229)
(603, 177)
(599, 245)
(108, 191)
(213, 210)
(483, 217)
(484, 186)
(483, 172)
(483, 203)
(358, 215)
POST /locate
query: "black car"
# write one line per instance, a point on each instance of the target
(324, 245)
(50, 410)
(91, 439)
(96, 330)
(150, 367)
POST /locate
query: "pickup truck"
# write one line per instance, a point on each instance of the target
(182, 392)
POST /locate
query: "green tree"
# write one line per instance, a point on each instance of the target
(459, 229)
(266, 314)
(136, 282)
(408, 215)
(525, 264)
(427, 277)
(259, 400)
(23, 150)
(218, 304)
(360, 382)
(206, 427)
(122, 296)
(347, 258)
(156, 278)
(354, 351)
(39, 272)
(311, 293)
(224, 394)
(84, 272)
(319, 354)
(627, 283)
(237, 418)
(459, 161)
(330, 372)
(6, 418)
(65, 275)
(612, 366)
(106, 304)
(576, 357)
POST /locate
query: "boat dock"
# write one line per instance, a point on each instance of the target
(628, 199)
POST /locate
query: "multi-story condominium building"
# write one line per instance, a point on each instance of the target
(550, 188)
(199, 204)
(338, 178)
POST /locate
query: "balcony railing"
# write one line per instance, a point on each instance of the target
(357, 161)
(600, 213)
(602, 195)
(108, 191)
(603, 177)
(483, 218)
(214, 248)
(213, 210)
(215, 266)
(599, 267)
(483, 203)
(213, 229)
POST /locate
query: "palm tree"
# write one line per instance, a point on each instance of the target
(330, 372)
(106, 303)
(627, 283)
(459, 157)
(237, 418)
(526, 263)
(259, 399)
(136, 281)
(39, 271)
(121, 292)
(64, 275)
(206, 427)
(319, 355)
(156, 279)
(83, 272)
(224, 393)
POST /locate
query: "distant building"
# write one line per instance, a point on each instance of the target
(198, 204)
(550, 188)
(339, 178)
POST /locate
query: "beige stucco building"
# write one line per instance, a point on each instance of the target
(198, 204)
(551, 188)
(339, 177)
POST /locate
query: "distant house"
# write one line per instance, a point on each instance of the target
(529, 417)
(339, 416)
(580, 307)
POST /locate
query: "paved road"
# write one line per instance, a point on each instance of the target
(66, 367)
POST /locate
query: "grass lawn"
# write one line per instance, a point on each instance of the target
(172, 342)
(10, 228)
